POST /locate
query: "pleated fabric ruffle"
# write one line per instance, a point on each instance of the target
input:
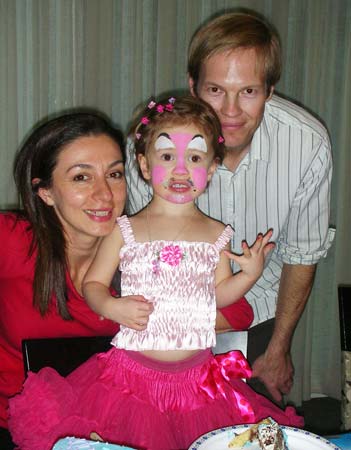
(132, 400)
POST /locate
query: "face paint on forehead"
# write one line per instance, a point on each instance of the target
(163, 142)
(187, 140)
(198, 142)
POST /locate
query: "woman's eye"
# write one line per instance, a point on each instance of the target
(117, 174)
(80, 177)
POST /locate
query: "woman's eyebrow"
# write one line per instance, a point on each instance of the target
(89, 166)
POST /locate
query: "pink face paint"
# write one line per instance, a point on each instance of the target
(181, 187)
(181, 141)
(158, 174)
(200, 178)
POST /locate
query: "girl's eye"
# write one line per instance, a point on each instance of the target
(166, 157)
(195, 158)
(80, 177)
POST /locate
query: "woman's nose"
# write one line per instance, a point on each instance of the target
(103, 189)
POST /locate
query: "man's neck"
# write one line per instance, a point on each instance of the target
(233, 157)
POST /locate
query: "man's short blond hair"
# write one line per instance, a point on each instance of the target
(233, 31)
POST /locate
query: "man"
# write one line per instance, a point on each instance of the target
(276, 174)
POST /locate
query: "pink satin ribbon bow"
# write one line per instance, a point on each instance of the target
(223, 368)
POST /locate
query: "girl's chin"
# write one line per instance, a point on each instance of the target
(179, 199)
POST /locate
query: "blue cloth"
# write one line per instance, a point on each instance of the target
(341, 440)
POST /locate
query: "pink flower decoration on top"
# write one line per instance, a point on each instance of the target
(169, 107)
(151, 104)
(171, 254)
(160, 108)
(144, 120)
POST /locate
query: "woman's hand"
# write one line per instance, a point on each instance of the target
(252, 260)
(132, 311)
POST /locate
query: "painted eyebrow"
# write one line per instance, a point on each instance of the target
(204, 144)
(89, 166)
(165, 135)
(162, 147)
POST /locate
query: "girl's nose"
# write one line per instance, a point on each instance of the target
(180, 167)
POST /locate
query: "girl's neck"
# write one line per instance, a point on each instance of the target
(159, 206)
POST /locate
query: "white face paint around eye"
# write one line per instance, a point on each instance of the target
(163, 142)
(198, 143)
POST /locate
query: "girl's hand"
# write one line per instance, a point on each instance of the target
(252, 260)
(132, 311)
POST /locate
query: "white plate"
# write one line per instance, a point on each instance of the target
(297, 439)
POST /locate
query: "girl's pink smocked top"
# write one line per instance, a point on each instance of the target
(178, 277)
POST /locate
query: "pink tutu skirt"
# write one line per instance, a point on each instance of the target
(129, 399)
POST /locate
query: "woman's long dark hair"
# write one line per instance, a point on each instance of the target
(37, 159)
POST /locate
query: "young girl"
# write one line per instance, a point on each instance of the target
(160, 387)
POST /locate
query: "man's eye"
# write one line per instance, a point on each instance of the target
(250, 91)
(80, 177)
(214, 90)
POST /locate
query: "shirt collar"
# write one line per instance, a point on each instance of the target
(260, 148)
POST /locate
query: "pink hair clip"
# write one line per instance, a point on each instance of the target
(137, 136)
(169, 107)
(220, 139)
(151, 104)
(160, 108)
(144, 120)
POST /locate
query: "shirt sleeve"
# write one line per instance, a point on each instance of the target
(139, 192)
(306, 236)
(239, 314)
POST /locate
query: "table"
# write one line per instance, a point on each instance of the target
(342, 440)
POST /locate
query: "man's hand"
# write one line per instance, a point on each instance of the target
(276, 372)
(274, 368)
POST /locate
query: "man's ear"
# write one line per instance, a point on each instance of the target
(191, 85)
(144, 167)
(46, 196)
(271, 91)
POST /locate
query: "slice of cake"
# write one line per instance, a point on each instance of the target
(271, 437)
(267, 433)
(249, 435)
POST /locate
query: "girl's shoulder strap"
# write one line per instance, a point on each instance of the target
(126, 229)
(224, 238)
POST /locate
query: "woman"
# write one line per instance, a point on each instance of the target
(70, 178)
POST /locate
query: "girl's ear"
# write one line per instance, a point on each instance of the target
(46, 196)
(144, 167)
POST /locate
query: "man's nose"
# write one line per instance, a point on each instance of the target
(231, 106)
